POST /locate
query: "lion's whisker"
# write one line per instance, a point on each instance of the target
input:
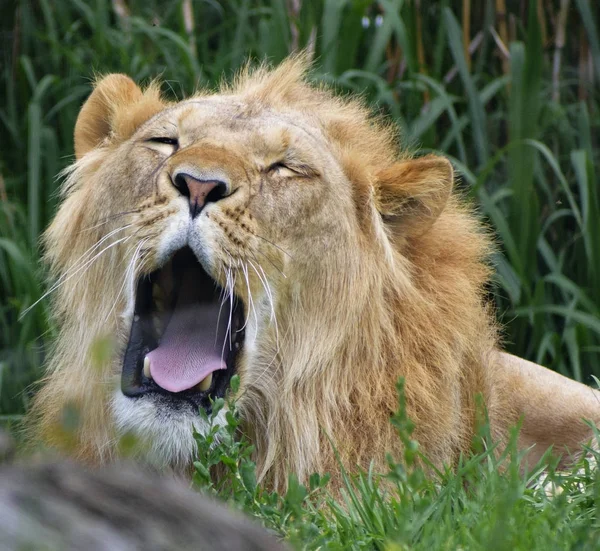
(89, 265)
(226, 293)
(230, 285)
(274, 245)
(77, 264)
(231, 299)
(231, 294)
(128, 273)
(68, 275)
(91, 249)
(267, 289)
(266, 369)
(221, 300)
(108, 219)
(265, 285)
(272, 263)
(227, 283)
(250, 300)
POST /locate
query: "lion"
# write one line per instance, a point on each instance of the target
(275, 230)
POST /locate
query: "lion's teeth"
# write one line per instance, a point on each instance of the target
(205, 383)
(147, 367)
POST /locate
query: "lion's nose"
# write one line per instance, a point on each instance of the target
(199, 192)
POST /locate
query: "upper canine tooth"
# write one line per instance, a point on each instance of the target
(205, 383)
(147, 367)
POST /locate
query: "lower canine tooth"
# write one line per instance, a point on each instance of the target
(147, 367)
(205, 383)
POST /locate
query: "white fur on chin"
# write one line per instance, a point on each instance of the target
(166, 436)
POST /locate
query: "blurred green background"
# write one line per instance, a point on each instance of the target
(509, 90)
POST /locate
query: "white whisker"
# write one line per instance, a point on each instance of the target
(265, 285)
(272, 264)
(231, 296)
(221, 300)
(70, 273)
(87, 253)
(267, 289)
(229, 284)
(250, 301)
(104, 222)
(128, 273)
(266, 370)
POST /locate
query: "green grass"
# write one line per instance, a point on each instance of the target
(529, 160)
(484, 503)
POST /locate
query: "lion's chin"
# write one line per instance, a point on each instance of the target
(162, 437)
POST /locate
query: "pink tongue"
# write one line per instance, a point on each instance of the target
(189, 349)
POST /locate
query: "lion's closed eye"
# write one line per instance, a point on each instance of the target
(163, 144)
(291, 170)
(281, 169)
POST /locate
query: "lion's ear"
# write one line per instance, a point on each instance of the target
(115, 109)
(410, 195)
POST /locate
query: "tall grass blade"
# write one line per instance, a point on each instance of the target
(476, 111)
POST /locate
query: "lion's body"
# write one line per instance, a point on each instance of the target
(386, 280)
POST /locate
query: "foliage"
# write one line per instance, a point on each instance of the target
(485, 503)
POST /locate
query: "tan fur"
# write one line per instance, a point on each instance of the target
(384, 270)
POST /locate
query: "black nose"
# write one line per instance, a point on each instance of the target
(199, 192)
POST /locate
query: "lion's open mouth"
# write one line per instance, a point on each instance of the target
(185, 335)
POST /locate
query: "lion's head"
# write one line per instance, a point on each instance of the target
(273, 230)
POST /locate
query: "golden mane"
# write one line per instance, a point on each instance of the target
(419, 315)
